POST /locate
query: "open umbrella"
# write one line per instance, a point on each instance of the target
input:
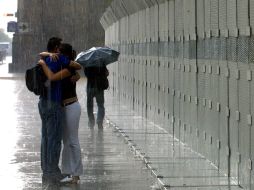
(97, 56)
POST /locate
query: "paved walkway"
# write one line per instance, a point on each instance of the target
(109, 163)
(122, 156)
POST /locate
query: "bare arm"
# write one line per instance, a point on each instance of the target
(53, 56)
(75, 65)
(54, 76)
(75, 77)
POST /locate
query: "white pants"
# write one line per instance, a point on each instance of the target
(71, 154)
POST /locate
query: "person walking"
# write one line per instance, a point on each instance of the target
(71, 154)
(94, 90)
(51, 112)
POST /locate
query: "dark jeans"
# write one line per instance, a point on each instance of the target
(99, 96)
(51, 136)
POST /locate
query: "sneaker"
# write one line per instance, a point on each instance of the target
(70, 179)
(67, 179)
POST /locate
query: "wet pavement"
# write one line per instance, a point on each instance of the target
(175, 165)
(130, 153)
(108, 162)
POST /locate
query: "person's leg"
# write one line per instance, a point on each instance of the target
(72, 162)
(101, 110)
(66, 149)
(54, 136)
(42, 112)
(51, 114)
(89, 104)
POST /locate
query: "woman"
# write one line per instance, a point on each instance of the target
(71, 154)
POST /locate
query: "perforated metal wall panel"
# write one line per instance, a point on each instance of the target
(186, 19)
(148, 25)
(231, 18)
(223, 18)
(155, 22)
(194, 103)
(171, 20)
(201, 106)
(192, 19)
(141, 26)
(251, 14)
(221, 107)
(244, 128)
(207, 6)
(243, 17)
(205, 103)
(215, 17)
(200, 19)
(156, 80)
(182, 103)
(176, 90)
(161, 83)
(251, 121)
(179, 19)
(149, 88)
(212, 100)
(170, 91)
(244, 110)
(166, 21)
(162, 21)
(200, 80)
(233, 123)
(196, 86)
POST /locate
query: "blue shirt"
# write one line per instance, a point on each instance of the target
(55, 87)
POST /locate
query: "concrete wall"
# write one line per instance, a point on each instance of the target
(74, 21)
(187, 65)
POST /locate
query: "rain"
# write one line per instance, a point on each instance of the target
(178, 96)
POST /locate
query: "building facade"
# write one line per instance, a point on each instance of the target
(74, 21)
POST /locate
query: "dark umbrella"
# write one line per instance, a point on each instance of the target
(97, 56)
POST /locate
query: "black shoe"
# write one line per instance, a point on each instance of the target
(91, 124)
(44, 179)
(52, 179)
(100, 126)
(50, 182)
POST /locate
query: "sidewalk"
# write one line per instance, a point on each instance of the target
(108, 162)
(5, 75)
(172, 163)
(122, 157)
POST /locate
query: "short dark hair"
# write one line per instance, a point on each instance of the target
(53, 43)
(74, 54)
(66, 49)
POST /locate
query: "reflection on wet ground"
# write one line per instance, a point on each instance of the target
(173, 163)
(108, 162)
(121, 157)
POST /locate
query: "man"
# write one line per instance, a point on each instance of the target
(50, 110)
(94, 90)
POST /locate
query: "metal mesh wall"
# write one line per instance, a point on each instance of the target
(187, 66)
